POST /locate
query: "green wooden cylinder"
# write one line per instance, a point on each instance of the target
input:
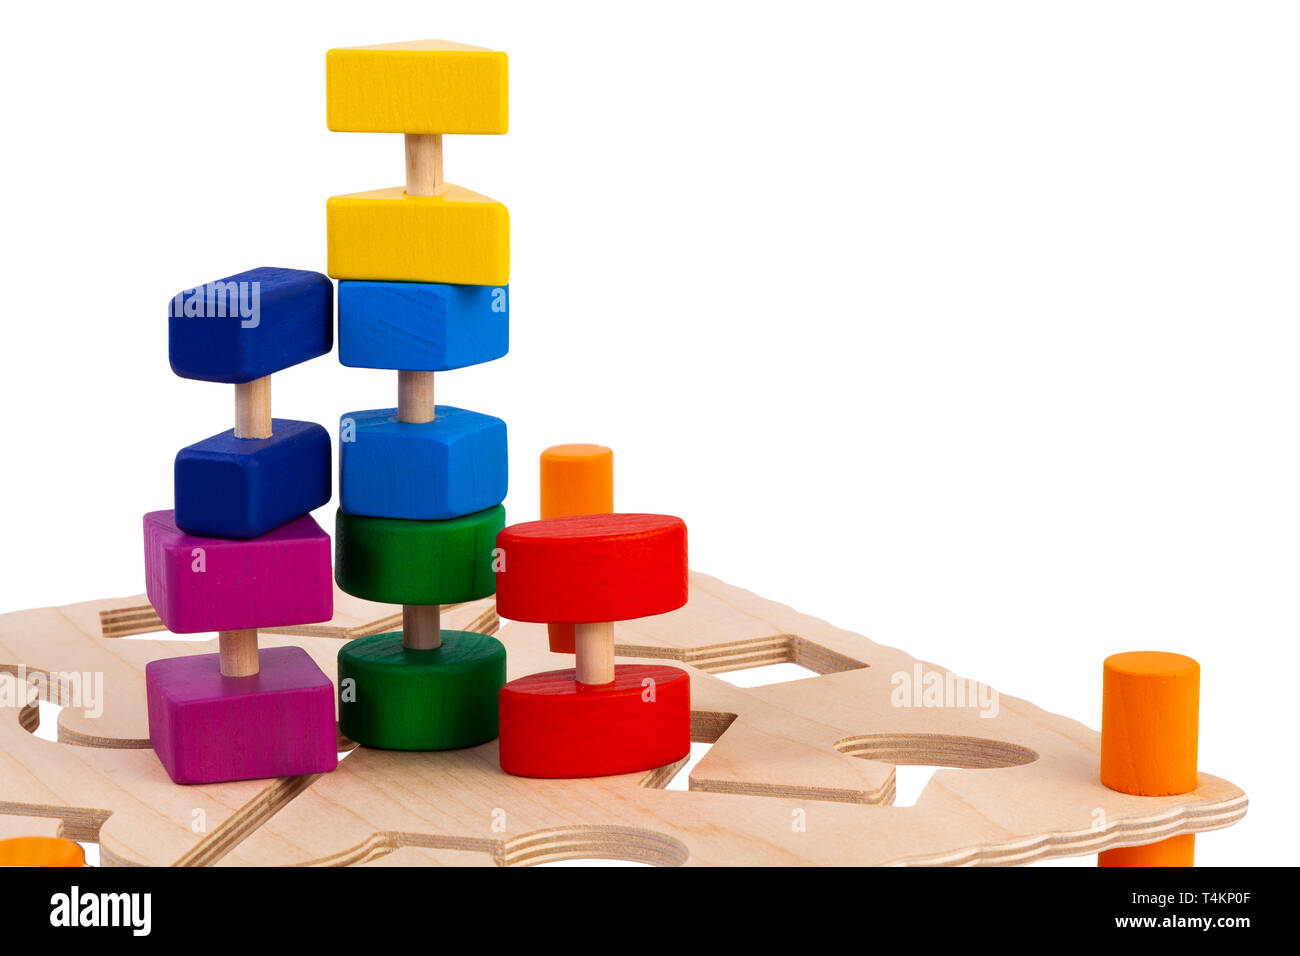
(395, 698)
(399, 561)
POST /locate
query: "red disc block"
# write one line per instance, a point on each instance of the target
(592, 568)
(554, 726)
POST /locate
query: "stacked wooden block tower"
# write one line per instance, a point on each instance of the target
(423, 274)
(240, 551)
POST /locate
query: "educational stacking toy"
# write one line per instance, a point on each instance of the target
(798, 773)
(1149, 717)
(422, 289)
(240, 551)
(594, 719)
(576, 479)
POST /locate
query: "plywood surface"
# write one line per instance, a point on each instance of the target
(799, 773)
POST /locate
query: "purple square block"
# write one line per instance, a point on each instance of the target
(215, 584)
(207, 728)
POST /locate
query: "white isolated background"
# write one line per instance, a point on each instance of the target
(971, 327)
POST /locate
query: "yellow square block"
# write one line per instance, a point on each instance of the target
(419, 86)
(457, 237)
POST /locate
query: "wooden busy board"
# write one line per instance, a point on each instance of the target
(799, 772)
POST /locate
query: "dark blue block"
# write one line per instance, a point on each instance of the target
(228, 487)
(421, 326)
(454, 465)
(249, 325)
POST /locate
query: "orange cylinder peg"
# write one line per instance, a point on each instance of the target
(576, 479)
(1149, 725)
(41, 851)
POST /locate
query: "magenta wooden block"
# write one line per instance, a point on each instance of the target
(207, 728)
(215, 584)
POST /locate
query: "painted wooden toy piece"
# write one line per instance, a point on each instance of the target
(422, 326)
(1149, 718)
(420, 484)
(594, 719)
(41, 851)
(451, 465)
(576, 479)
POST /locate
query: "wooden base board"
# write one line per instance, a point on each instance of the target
(799, 773)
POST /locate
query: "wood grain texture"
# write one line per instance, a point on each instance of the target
(415, 398)
(238, 653)
(594, 649)
(592, 568)
(454, 465)
(422, 326)
(207, 727)
(352, 618)
(213, 584)
(401, 698)
(813, 752)
(231, 487)
(248, 325)
(457, 236)
(416, 562)
(554, 725)
(423, 164)
(416, 86)
(253, 408)
(421, 627)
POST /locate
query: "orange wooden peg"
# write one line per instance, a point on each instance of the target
(41, 851)
(1149, 718)
(577, 479)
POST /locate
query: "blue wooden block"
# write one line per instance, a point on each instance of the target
(422, 326)
(249, 325)
(228, 487)
(454, 465)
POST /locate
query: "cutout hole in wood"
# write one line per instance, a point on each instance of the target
(625, 845)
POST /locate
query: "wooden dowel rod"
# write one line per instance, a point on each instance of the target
(238, 652)
(253, 408)
(421, 626)
(594, 646)
(415, 397)
(423, 164)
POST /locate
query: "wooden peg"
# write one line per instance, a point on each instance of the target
(1149, 724)
(421, 626)
(253, 408)
(238, 651)
(415, 402)
(423, 164)
(594, 645)
(576, 479)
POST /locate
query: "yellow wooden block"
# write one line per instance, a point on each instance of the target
(419, 86)
(456, 237)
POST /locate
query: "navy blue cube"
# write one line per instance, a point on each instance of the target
(422, 326)
(429, 471)
(249, 325)
(228, 487)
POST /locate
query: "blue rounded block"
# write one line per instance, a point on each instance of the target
(251, 324)
(452, 466)
(421, 326)
(228, 487)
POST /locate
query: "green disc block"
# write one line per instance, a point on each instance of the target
(399, 561)
(394, 698)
